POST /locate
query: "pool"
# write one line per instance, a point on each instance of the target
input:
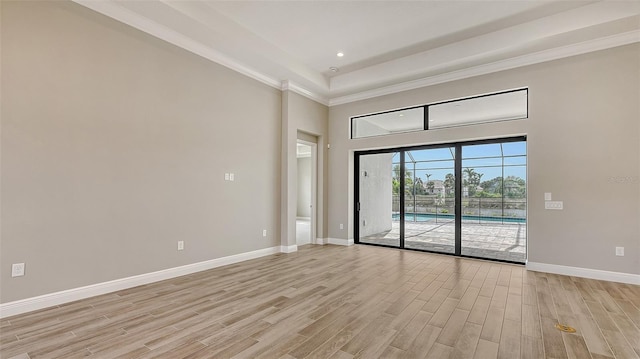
(425, 217)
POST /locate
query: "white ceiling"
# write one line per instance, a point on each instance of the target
(389, 46)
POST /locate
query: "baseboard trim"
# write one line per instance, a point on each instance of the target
(321, 241)
(289, 249)
(70, 295)
(585, 273)
(340, 241)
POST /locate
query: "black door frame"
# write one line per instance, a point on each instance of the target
(458, 189)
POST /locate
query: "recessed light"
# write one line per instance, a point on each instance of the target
(334, 69)
(339, 54)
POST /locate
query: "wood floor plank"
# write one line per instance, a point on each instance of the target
(576, 346)
(593, 336)
(423, 342)
(341, 302)
(531, 321)
(467, 342)
(408, 334)
(510, 339)
(619, 345)
(531, 348)
(552, 339)
(628, 330)
(479, 310)
(486, 350)
(469, 298)
(442, 315)
(454, 326)
(439, 351)
(492, 328)
(632, 311)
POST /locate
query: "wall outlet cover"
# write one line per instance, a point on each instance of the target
(17, 269)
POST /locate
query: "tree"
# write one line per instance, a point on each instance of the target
(471, 180)
(449, 183)
(408, 181)
(493, 185)
(514, 187)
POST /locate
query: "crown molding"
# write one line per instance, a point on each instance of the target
(288, 85)
(115, 11)
(520, 61)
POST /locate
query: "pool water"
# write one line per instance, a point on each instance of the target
(425, 217)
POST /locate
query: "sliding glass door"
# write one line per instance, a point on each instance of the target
(494, 203)
(465, 199)
(429, 199)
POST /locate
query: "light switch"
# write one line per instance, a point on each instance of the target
(226, 176)
(553, 205)
(231, 177)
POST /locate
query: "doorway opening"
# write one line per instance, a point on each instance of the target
(306, 154)
(466, 199)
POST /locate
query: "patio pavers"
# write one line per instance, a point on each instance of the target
(486, 240)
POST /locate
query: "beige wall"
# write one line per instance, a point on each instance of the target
(583, 133)
(114, 147)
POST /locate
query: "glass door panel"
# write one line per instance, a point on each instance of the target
(494, 201)
(430, 199)
(379, 199)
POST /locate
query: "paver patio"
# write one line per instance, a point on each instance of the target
(491, 240)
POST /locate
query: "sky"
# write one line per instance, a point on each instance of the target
(485, 159)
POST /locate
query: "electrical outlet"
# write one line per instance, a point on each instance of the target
(226, 176)
(180, 245)
(17, 270)
(341, 226)
(264, 232)
(232, 177)
(547, 196)
(620, 251)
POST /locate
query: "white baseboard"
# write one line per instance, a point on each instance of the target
(585, 273)
(321, 241)
(289, 249)
(70, 295)
(340, 241)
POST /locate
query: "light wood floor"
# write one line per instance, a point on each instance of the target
(342, 302)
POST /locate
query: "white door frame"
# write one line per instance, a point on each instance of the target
(314, 188)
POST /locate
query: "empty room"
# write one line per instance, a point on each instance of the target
(319, 179)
